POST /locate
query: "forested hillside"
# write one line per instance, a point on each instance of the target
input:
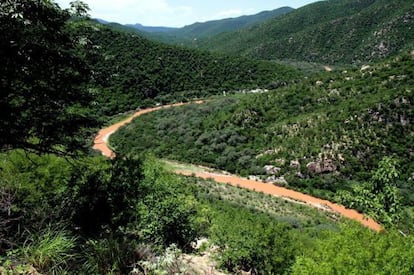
(189, 35)
(66, 210)
(322, 135)
(130, 71)
(335, 31)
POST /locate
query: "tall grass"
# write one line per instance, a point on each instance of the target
(50, 251)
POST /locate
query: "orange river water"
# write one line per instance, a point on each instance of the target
(101, 144)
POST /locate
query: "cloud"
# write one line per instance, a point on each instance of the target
(152, 12)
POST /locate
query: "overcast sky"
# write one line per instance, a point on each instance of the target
(178, 13)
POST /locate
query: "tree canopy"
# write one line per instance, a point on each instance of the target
(42, 81)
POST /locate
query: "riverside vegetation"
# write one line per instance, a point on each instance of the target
(343, 123)
(64, 209)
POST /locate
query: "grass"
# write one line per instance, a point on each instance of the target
(50, 250)
(176, 166)
(118, 118)
(284, 210)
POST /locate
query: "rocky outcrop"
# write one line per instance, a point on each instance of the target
(322, 166)
(300, 175)
(277, 180)
(294, 164)
(271, 170)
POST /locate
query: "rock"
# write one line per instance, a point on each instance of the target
(322, 166)
(198, 243)
(300, 175)
(281, 181)
(295, 164)
(404, 120)
(319, 83)
(276, 180)
(314, 167)
(365, 67)
(271, 170)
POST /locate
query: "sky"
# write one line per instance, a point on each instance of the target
(178, 13)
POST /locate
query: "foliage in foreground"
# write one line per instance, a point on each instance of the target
(44, 100)
(112, 217)
(354, 250)
(91, 209)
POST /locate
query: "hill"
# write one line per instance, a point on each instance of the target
(129, 71)
(322, 135)
(188, 34)
(138, 27)
(78, 213)
(210, 28)
(150, 28)
(336, 31)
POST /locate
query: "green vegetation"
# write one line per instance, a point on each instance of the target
(101, 216)
(298, 215)
(44, 103)
(91, 210)
(380, 197)
(189, 35)
(63, 211)
(335, 31)
(325, 134)
(130, 71)
(369, 253)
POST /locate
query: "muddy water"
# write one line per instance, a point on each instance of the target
(100, 144)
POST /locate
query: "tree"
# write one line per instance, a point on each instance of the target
(44, 100)
(380, 196)
(357, 250)
(79, 8)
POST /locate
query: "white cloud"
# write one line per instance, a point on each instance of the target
(153, 12)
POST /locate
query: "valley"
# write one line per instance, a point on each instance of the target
(101, 144)
(273, 143)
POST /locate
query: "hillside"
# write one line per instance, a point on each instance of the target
(150, 28)
(210, 28)
(187, 35)
(129, 71)
(336, 31)
(67, 210)
(321, 135)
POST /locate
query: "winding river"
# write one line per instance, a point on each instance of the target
(101, 144)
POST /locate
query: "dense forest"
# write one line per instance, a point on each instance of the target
(190, 34)
(67, 210)
(323, 135)
(129, 71)
(335, 31)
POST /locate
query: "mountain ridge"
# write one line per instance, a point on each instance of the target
(150, 28)
(186, 34)
(348, 31)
